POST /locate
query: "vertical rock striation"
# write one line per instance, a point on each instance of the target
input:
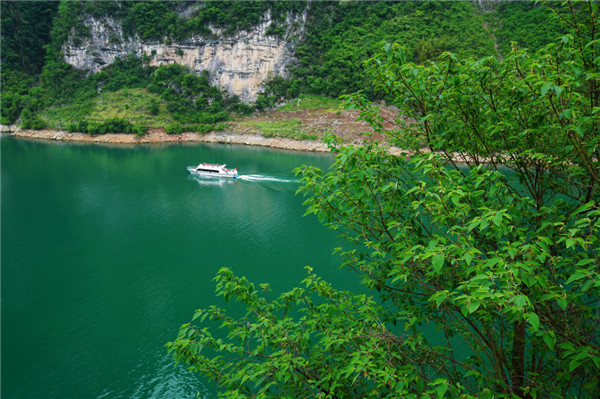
(238, 63)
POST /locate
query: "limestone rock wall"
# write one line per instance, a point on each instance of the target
(238, 64)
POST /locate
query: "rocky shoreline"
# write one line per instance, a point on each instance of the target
(156, 136)
(159, 136)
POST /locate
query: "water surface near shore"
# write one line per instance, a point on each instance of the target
(106, 250)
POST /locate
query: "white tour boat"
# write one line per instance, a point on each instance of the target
(213, 170)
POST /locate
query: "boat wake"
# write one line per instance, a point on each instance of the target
(263, 178)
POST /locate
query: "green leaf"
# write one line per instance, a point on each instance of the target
(439, 297)
(545, 88)
(497, 219)
(473, 306)
(455, 199)
(558, 90)
(567, 113)
(562, 302)
(534, 320)
(441, 389)
(574, 364)
(493, 262)
(578, 275)
(550, 339)
(438, 262)
(584, 262)
(473, 224)
(484, 224)
(468, 257)
(520, 301)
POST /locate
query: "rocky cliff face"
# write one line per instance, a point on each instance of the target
(238, 64)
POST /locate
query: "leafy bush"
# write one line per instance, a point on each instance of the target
(174, 128)
(525, 24)
(82, 126)
(11, 105)
(139, 130)
(112, 125)
(276, 90)
(129, 72)
(154, 108)
(31, 121)
(201, 128)
(94, 128)
(189, 98)
(25, 30)
(117, 125)
(265, 101)
(151, 20)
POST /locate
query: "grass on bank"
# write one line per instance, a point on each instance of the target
(134, 105)
(142, 108)
(292, 127)
(306, 101)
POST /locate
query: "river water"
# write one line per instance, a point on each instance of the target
(107, 250)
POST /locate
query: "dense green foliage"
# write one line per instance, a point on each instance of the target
(114, 125)
(526, 25)
(488, 232)
(336, 38)
(189, 99)
(160, 20)
(25, 30)
(341, 36)
(152, 20)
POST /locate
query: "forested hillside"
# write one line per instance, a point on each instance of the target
(327, 44)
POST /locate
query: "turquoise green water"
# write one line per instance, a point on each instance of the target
(107, 250)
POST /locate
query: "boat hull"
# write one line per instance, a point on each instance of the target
(219, 174)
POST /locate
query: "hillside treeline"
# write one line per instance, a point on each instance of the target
(40, 90)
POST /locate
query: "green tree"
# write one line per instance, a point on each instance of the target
(340, 35)
(151, 20)
(480, 249)
(25, 30)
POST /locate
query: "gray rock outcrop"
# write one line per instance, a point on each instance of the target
(238, 64)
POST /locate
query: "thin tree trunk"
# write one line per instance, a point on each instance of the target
(518, 359)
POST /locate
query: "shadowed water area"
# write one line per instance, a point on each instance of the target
(107, 250)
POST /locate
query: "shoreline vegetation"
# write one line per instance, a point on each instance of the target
(290, 127)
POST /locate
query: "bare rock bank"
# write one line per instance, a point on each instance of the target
(159, 136)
